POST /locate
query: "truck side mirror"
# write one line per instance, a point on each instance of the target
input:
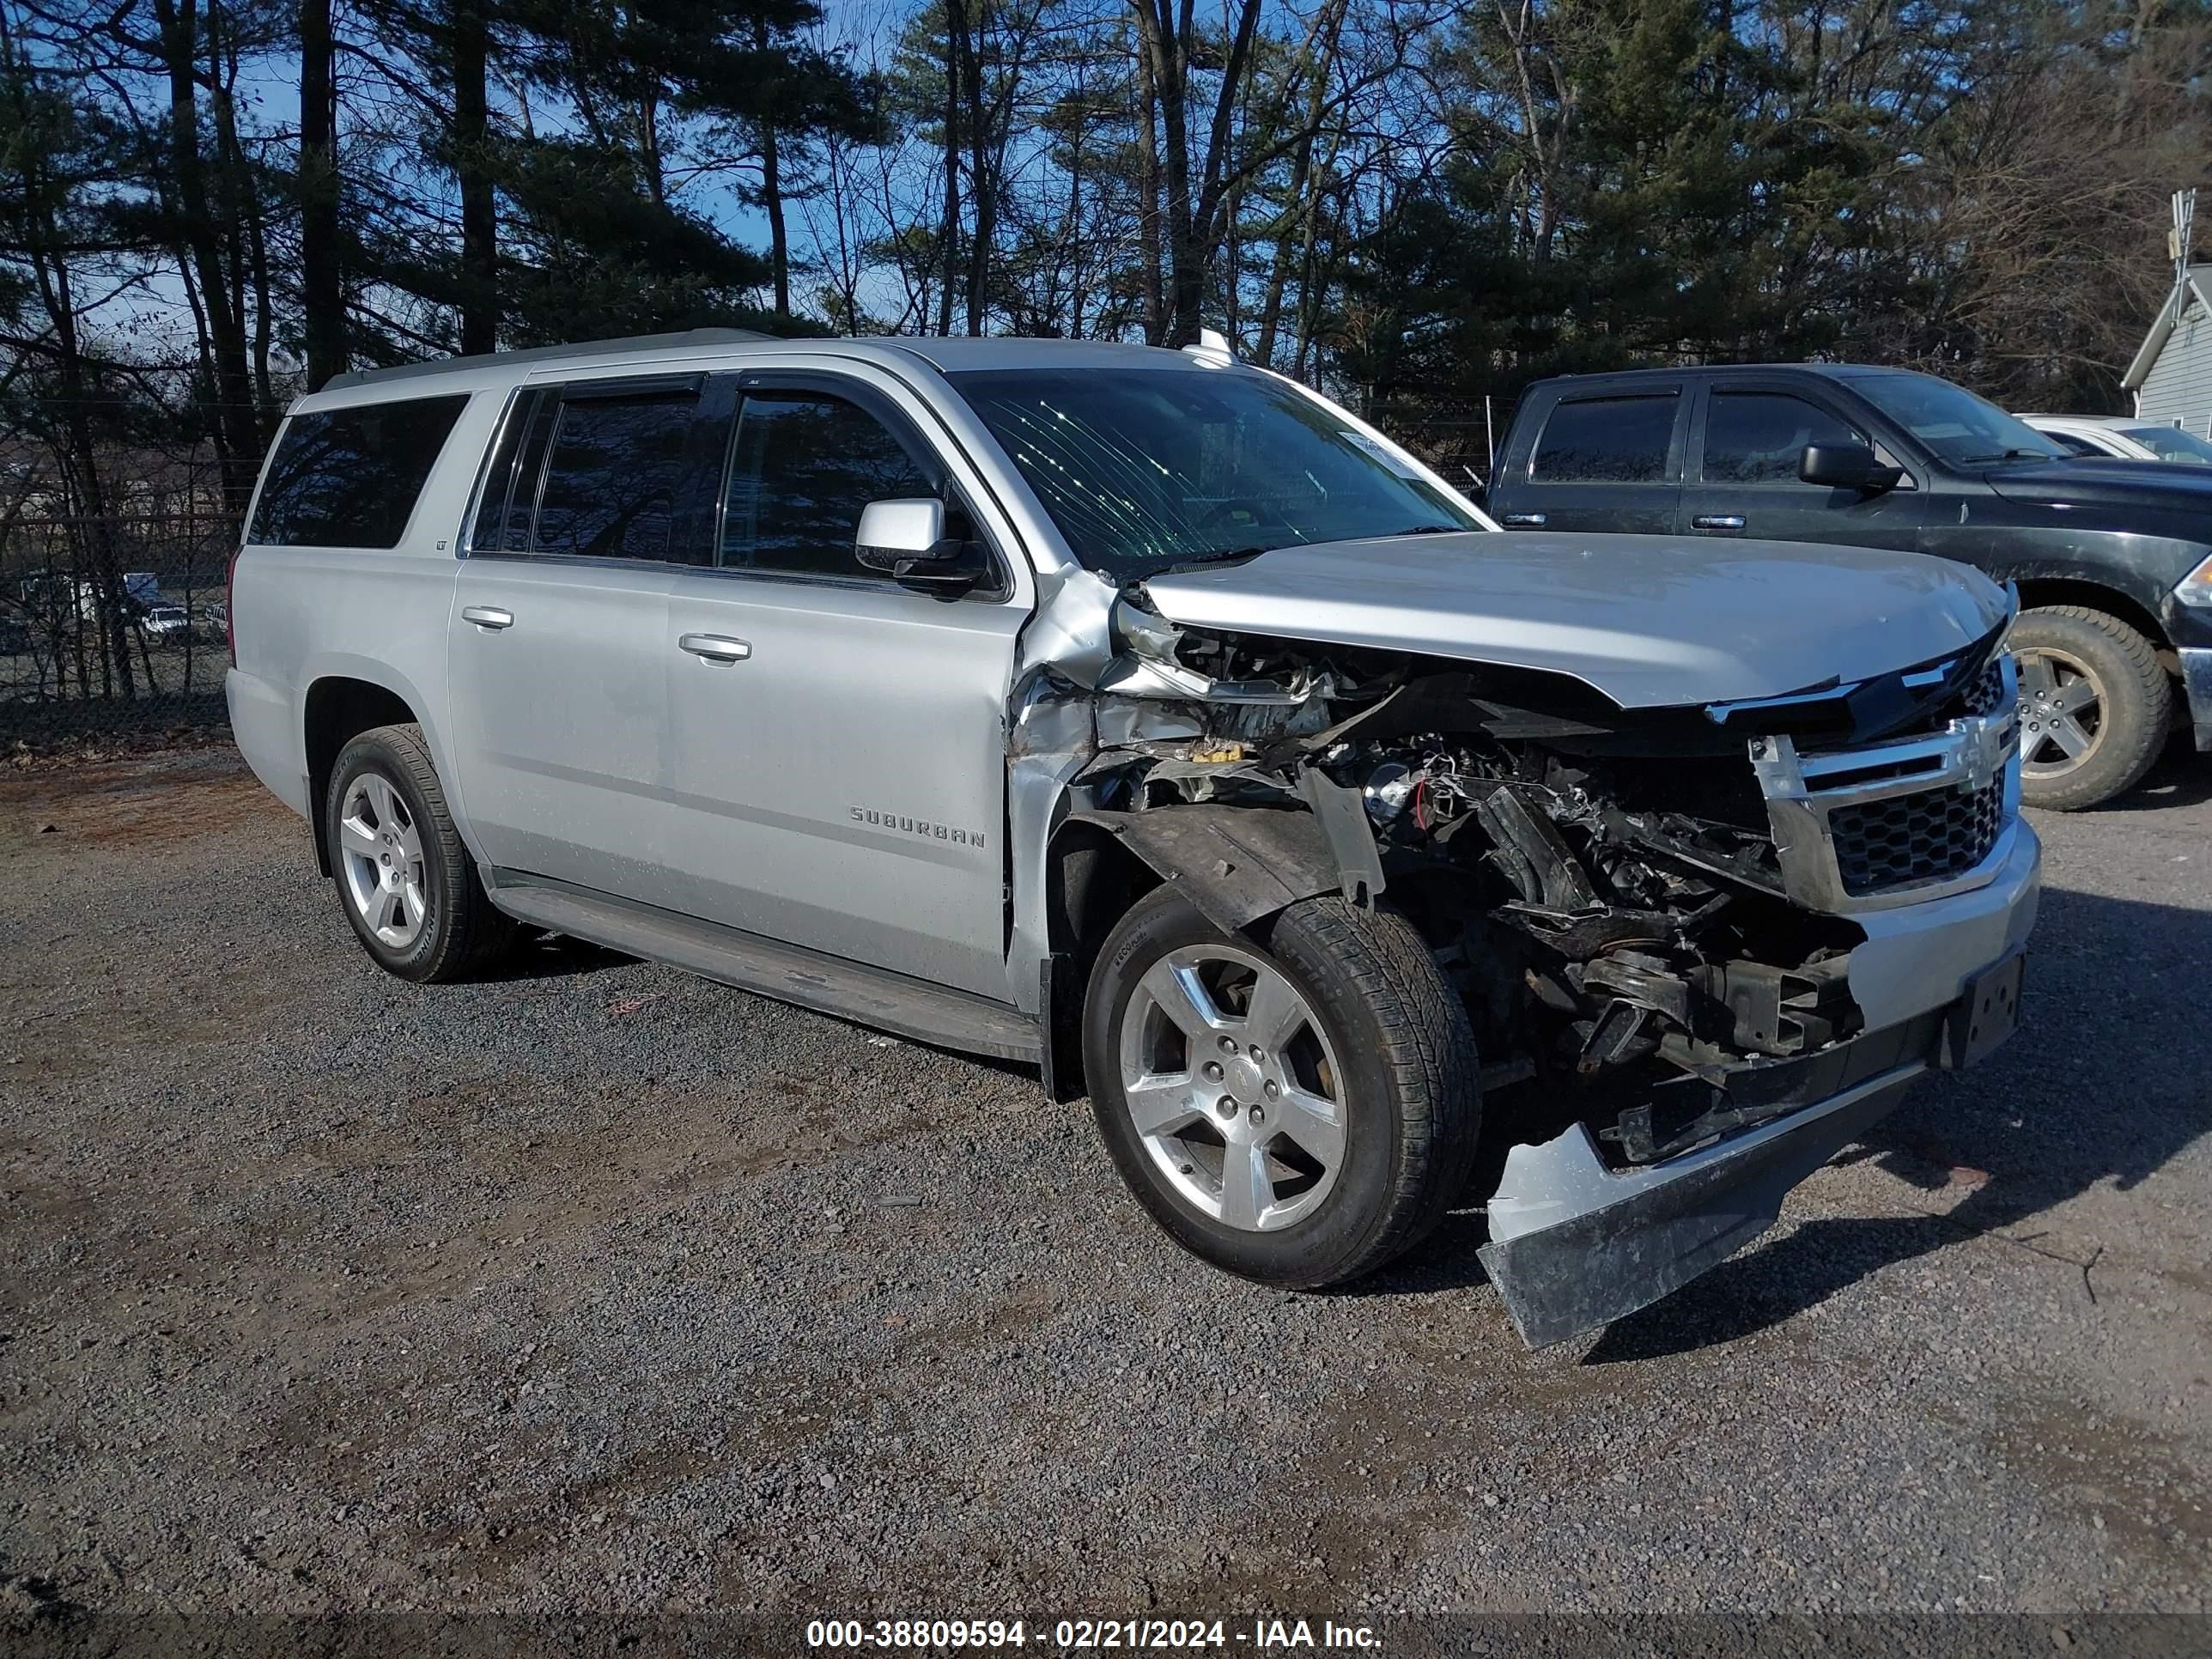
(893, 533)
(919, 544)
(1847, 466)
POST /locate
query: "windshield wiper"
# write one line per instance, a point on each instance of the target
(1224, 556)
(1431, 530)
(2010, 455)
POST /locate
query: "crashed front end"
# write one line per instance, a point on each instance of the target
(1702, 948)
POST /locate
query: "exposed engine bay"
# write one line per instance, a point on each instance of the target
(1602, 886)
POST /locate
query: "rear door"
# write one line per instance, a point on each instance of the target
(1750, 435)
(1602, 459)
(598, 493)
(837, 741)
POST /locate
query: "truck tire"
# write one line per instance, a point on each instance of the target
(2093, 706)
(1297, 1113)
(404, 880)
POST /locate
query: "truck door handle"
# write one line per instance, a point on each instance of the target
(487, 616)
(1718, 521)
(1529, 520)
(715, 648)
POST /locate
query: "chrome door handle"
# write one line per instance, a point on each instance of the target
(715, 648)
(487, 616)
(1717, 521)
(1528, 520)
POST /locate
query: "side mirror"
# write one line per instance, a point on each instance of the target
(911, 542)
(893, 533)
(1847, 466)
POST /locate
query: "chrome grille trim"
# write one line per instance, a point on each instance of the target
(1958, 844)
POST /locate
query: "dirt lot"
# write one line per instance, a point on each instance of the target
(603, 1288)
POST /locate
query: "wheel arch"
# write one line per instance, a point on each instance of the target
(2037, 592)
(1092, 880)
(338, 708)
(1239, 865)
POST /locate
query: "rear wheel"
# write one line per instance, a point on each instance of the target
(405, 878)
(1298, 1113)
(2093, 706)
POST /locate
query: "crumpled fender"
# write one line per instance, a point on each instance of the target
(1238, 865)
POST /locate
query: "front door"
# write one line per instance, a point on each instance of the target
(837, 741)
(1743, 474)
(1608, 461)
(589, 507)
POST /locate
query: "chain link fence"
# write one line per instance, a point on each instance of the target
(113, 625)
(1455, 435)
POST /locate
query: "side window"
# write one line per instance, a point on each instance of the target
(613, 465)
(1606, 441)
(803, 466)
(2073, 445)
(509, 497)
(350, 478)
(1758, 437)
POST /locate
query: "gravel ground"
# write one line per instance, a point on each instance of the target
(602, 1288)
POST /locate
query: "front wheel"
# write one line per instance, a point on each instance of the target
(1298, 1113)
(2093, 706)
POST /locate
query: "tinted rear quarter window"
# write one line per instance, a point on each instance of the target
(1606, 441)
(350, 478)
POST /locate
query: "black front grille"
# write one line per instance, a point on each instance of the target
(1984, 693)
(1933, 835)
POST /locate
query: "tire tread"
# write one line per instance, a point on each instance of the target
(2142, 728)
(472, 933)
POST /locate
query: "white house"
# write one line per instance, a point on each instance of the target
(2172, 376)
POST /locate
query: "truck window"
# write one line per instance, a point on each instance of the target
(804, 466)
(1606, 441)
(613, 468)
(1758, 437)
(350, 478)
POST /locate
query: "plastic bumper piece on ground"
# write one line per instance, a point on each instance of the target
(1575, 1244)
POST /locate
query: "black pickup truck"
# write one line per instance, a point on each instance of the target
(2114, 559)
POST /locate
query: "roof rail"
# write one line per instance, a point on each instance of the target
(690, 337)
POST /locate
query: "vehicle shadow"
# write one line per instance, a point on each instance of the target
(554, 955)
(2104, 1082)
(2181, 777)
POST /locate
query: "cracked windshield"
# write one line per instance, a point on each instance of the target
(1145, 470)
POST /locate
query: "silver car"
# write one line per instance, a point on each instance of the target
(1150, 719)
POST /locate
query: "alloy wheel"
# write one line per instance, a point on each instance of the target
(1233, 1087)
(2061, 712)
(382, 847)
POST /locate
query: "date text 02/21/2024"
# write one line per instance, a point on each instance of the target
(1090, 1634)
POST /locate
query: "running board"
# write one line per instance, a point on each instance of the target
(789, 973)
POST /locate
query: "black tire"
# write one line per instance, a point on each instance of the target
(2134, 705)
(1410, 1094)
(460, 932)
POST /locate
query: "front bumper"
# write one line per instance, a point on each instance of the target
(1576, 1243)
(2197, 683)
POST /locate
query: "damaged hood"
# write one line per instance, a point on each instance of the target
(1649, 621)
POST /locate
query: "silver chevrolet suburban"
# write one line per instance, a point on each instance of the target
(1149, 718)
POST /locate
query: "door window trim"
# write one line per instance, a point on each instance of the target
(735, 384)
